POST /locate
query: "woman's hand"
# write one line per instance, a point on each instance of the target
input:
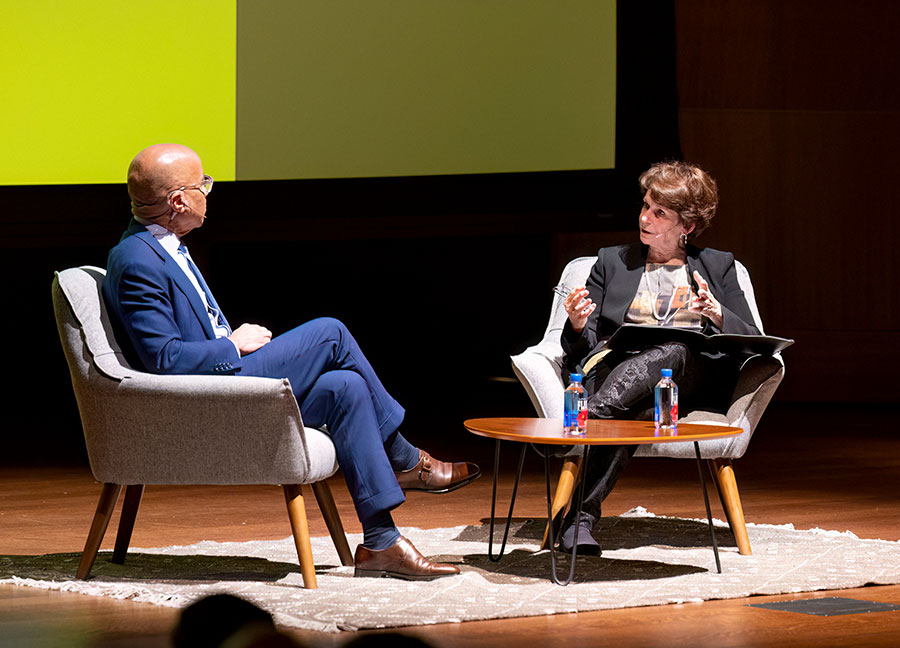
(578, 307)
(704, 303)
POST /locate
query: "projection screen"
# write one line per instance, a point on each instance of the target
(296, 89)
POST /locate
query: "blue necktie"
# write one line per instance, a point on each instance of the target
(214, 309)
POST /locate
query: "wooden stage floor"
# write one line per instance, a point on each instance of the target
(814, 466)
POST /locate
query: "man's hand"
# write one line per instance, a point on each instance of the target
(578, 306)
(250, 337)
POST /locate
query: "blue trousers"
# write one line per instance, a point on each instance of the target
(335, 385)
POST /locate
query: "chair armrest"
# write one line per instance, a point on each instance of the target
(201, 430)
(757, 381)
(542, 379)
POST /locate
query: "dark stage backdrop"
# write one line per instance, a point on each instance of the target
(788, 105)
(794, 108)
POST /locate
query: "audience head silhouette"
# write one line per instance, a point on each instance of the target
(226, 621)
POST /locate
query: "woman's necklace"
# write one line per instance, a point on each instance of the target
(655, 274)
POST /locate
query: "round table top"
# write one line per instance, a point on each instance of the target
(599, 431)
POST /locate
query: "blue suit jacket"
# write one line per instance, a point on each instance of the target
(158, 318)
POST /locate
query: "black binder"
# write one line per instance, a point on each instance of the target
(632, 337)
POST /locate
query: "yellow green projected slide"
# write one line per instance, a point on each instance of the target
(282, 89)
(85, 85)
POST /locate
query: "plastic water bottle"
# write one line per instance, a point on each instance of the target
(575, 407)
(666, 415)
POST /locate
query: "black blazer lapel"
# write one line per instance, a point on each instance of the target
(624, 285)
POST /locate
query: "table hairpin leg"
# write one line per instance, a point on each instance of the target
(712, 531)
(512, 501)
(552, 539)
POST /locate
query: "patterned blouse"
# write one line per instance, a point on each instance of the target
(663, 297)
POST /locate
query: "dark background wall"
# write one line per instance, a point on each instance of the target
(796, 108)
(792, 106)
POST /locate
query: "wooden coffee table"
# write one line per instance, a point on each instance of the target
(546, 432)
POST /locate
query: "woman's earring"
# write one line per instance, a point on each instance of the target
(684, 239)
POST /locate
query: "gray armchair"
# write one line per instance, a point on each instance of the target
(540, 370)
(142, 428)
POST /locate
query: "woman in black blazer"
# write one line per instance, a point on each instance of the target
(662, 281)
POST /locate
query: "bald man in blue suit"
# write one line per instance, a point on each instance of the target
(167, 321)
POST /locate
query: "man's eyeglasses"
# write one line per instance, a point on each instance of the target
(204, 187)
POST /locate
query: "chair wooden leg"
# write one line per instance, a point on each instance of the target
(726, 484)
(293, 496)
(102, 515)
(322, 491)
(133, 495)
(564, 489)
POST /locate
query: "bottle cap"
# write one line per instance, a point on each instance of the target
(577, 377)
(667, 373)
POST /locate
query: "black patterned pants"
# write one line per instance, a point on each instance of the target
(621, 387)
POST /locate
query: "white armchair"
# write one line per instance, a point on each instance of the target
(143, 428)
(540, 370)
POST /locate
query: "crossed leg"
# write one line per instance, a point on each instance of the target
(335, 386)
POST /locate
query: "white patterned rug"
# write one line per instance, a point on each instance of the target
(647, 560)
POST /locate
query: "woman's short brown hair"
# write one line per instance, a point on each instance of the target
(684, 188)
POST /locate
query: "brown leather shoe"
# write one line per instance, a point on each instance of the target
(402, 560)
(433, 476)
